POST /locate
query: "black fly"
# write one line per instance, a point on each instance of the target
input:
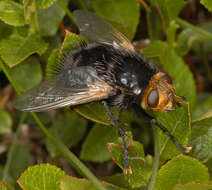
(109, 70)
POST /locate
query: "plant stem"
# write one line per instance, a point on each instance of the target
(12, 148)
(75, 162)
(62, 4)
(156, 161)
(72, 159)
(194, 28)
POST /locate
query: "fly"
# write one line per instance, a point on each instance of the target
(110, 70)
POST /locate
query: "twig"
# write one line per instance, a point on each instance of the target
(156, 161)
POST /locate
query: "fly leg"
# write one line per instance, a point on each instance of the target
(122, 134)
(172, 138)
(141, 113)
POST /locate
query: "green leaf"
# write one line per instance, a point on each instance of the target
(203, 107)
(112, 11)
(171, 33)
(30, 14)
(43, 4)
(1, 171)
(5, 186)
(21, 160)
(5, 30)
(181, 170)
(170, 9)
(96, 112)
(42, 177)
(119, 179)
(69, 128)
(50, 18)
(27, 74)
(17, 48)
(178, 124)
(189, 38)
(52, 63)
(193, 186)
(182, 77)
(71, 183)
(201, 139)
(186, 39)
(95, 146)
(155, 27)
(209, 166)
(155, 49)
(207, 4)
(141, 171)
(12, 13)
(203, 45)
(5, 122)
(70, 43)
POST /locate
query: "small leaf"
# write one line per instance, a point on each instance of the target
(43, 4)
(181, 170)
(12, 13)
(178, 124)
(5, 186)
(203, 107)
(193, 186)
(30, 14)
(113, 11)
(5, 122)
(203, 45)
(96, 112)
(190, 39)
(52, 64)
(27, 74)
(42, 177)
(207, 4)
(95, 146)
(201, 139)
(50, 18)
(5, 30)
(155, 27)
(71, 183)
(71, 42)
(119, 179)
(21, 160)
(186, 39)
(155, 49)
(141, 171)
(171, 33)
(16, 48)
(70, 129)
(1, 171)
(170, 9)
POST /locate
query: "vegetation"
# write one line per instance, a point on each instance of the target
(59, 149)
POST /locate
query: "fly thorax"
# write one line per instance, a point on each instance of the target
(130, 81)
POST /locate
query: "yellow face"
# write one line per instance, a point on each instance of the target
(159, 94)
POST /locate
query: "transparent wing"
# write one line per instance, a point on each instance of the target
(73, 87)
(95, 28)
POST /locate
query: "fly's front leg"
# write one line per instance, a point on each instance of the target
(122, 134)
(141, 113)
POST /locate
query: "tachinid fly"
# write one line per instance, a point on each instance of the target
(109, 70)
